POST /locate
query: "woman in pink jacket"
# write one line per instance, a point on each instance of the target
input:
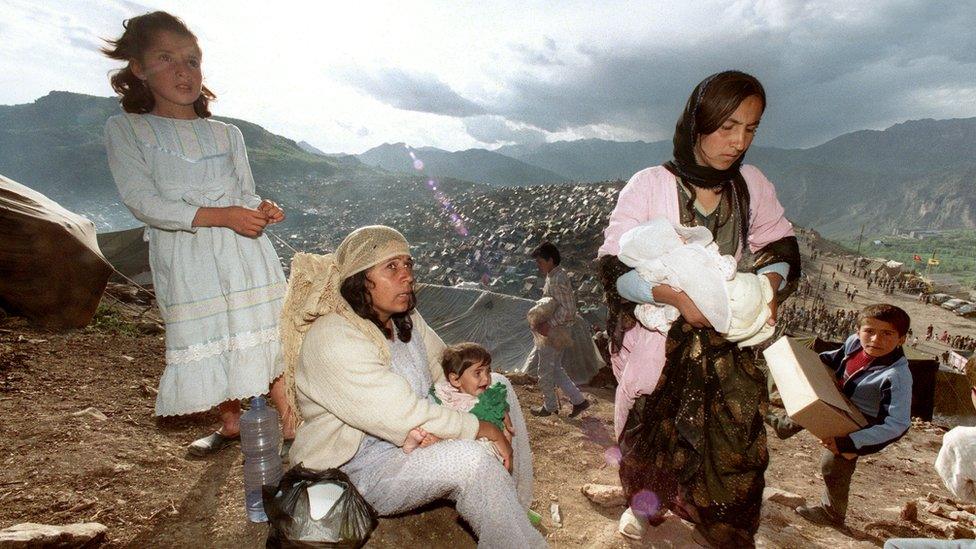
(689, 404)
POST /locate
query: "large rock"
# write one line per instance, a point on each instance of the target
(33, 535)
(606, 495)
(782, 497)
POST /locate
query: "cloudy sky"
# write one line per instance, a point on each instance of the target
(457, 75)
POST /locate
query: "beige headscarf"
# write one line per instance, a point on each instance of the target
(313, 291)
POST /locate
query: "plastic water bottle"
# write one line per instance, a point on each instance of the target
(260, 439)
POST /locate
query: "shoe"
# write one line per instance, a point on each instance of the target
(632, 526)
(783, 426)
(285, 448)
(817, 514)
(578, 408)
(211, 444)
(541, 411)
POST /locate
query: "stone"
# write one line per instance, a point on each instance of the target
(31, 534)
(782, 497)
(606, 495)
(958, 531)
(555, 515)
(91, 412)
(909, 511)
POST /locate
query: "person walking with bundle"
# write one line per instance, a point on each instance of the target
(218, 281)
(556, 332)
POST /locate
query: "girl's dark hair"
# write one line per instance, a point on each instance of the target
(134, 94)
(458, 358)
(722, 95)
(355, 290)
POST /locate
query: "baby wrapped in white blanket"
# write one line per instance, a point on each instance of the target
(687, 259)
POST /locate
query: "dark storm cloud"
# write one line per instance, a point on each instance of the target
(412, 92)
(494, 129)
(824, 75)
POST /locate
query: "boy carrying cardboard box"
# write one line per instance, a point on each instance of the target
(872, 371)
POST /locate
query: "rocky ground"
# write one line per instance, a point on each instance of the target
(79, 443)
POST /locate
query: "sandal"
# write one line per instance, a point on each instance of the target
(211, 444)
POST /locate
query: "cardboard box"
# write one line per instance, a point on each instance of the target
(809, 393)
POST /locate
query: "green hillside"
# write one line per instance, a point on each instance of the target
(56, 145)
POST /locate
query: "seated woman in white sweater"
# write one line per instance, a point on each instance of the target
(360, 361)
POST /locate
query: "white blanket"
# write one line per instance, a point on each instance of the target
(687, 259)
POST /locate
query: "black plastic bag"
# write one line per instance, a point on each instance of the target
(348, 524)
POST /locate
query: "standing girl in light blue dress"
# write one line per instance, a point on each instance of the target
(218, 280)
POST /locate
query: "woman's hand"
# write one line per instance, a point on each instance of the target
(509, 428)
(775, 279)
(272, 210)
(495, 435)
(680, 300)
(430, 439)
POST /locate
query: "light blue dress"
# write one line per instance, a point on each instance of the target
(219, 293)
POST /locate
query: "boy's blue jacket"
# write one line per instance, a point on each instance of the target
(883, 393)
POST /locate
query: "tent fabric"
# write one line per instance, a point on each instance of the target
(51, 269)
(128, 252)
(497, 322)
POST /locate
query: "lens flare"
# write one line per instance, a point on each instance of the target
(456, 220)
(612, 456)
(645, 503)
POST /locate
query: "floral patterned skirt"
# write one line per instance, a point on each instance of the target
(697, 444)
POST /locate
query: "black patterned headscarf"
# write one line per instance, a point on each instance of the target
(686, 133)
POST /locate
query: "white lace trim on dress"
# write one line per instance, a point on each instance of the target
(236, 342)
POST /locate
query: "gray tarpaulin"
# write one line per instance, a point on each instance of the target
(497, 322)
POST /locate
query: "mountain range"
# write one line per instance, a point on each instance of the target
(477, 165)
(918, 174)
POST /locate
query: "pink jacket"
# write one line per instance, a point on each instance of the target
(653, 192)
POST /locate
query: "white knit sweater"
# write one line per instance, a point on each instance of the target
(345, 388)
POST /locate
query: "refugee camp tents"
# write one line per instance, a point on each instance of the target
(924, 370)
(497, 322)
(890, 269)
(51, 269)
(128, 252)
